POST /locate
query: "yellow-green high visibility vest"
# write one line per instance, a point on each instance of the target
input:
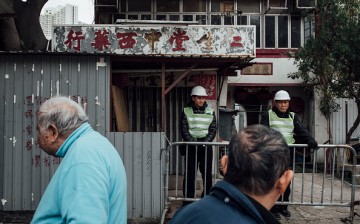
(199, 123)
(283, 125)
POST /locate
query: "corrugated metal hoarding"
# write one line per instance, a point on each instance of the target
(141, 153)
(340, 120)
(25, 170)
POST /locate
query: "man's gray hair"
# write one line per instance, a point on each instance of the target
(258, 156)
(62, 112)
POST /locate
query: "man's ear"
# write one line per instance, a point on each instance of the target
(224, 162)
(53, 131)
(284, 181)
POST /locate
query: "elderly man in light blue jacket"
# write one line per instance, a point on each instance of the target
(89, 186)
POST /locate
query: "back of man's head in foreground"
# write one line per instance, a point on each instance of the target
(258, 156)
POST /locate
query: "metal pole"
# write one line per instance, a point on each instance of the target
(163, 102)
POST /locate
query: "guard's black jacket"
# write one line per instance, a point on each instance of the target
(184, 125)
(301, 134)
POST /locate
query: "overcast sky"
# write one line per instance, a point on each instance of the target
(85, 8)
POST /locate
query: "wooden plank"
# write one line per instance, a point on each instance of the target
(121, 115)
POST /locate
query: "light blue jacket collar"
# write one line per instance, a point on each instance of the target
(84, 128)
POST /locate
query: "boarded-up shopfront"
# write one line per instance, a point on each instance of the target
(132, 81)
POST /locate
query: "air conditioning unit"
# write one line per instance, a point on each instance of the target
(298, 6)
(305, 4)
(276, 6)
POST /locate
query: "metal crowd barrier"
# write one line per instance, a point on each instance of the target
(330, 182)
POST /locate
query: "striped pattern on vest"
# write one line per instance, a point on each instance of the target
(199, 123)
(283, 125)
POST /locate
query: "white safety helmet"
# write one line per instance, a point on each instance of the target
(282, 95)
(198, 91)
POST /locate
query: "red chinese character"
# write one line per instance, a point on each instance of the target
(75, 98)
(236, 42)
(74, 36)
(179, 37)
(47, 161)
(28, 100)
(29, 129)
(101, 40)
(56, 160)
(28, 145)
(36, 161)
(83, 99)
(126, 39)
(28, 114)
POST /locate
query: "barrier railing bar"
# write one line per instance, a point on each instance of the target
(177, 170)
(331, 161)
(342, 173)
(323, 182)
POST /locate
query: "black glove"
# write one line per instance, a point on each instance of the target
(312, 144)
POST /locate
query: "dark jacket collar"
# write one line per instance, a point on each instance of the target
(281, 114)
(244, 202)
(265, 214)
(194, 107)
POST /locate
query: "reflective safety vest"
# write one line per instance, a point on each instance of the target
(199, 123)
(283, 125)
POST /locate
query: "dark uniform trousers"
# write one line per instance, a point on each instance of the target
(197, 156)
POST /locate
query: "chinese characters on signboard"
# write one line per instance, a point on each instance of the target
(258, 69)
(188, 40)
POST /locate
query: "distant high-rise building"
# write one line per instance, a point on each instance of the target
(46, 22)
(67, 14)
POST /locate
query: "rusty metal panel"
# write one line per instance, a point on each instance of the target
(142, 153)
(229, 41)
(28, 80)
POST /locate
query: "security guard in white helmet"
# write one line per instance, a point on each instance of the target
(197, 124)
(289, 125)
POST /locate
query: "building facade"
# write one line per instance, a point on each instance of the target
(135, 83)
(67, 14)
(281, 27)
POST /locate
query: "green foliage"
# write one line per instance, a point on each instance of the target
(330, 59)
(327, 105)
